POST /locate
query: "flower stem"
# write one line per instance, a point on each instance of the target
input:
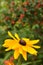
(20, 61)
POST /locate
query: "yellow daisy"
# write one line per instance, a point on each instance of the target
(21, 46)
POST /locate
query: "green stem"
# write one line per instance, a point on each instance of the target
(20, 61)
(6, 57)
(28, 63)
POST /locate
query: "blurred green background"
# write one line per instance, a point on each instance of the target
(24, 17)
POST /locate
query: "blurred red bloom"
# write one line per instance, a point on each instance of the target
(12, 2)
(25, 9)
(26, 3)
(12, 22)
(22, 16)
(7, 18)
(9, 62)
(38, 5)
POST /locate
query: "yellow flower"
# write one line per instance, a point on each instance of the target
(21, 46)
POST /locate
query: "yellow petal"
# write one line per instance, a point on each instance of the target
(16, 35)
(36, 46)
(15, 46)
(11, 44)
(26, 40)
(32, 51)
(33, 41)
(10, 35)
(24, 54)
(16, 54)
(7, 49)
(25, 48)
(20, 50)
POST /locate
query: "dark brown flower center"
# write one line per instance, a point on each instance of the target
(22, 42)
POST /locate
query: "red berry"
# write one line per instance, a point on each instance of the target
(11, 58)
(35, 13)
(42, 5)
(41, 23)
(38, 5)
(12, 22)
(22, 16)
(26, 3)
(7, 18)
(25, 9)
(12, 3)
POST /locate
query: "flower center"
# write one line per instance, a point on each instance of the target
(22, 42)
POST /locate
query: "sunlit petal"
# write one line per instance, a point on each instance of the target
(36, 46)
(16, 54)
(20, 50)
(34, 41)
(8, 43)
(32, 51)
(10, 35)
(25, 48)
(7, 49)
(16, 35)
(11, 44)
(26, 40)
(24, 54)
